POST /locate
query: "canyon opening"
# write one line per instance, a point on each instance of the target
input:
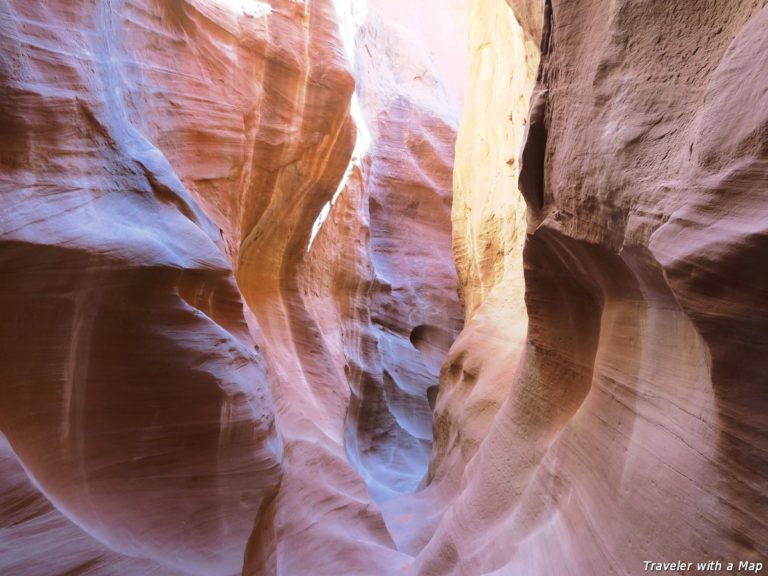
(383, 287)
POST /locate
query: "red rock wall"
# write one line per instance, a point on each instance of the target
(36, 538)
(133, 395)
(145, 145)
(367, 315)
(181, 378)
(200, 376)
(632, 426)
(410, 103)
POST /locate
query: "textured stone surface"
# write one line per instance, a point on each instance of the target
(385, 306)
(35, 537)
(175, 379)
(632, 427)
(225, 309)
(488, 223)
(411, 95)
(132, 392)
(371, 306)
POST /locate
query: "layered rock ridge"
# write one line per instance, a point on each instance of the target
(187, 389)
(629, 426)
(228, 290)
(132, 393)
(410, 100)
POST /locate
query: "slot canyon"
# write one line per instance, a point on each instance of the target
(383, 287)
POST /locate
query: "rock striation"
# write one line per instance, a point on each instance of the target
(282, 293)
(629, 426)
(192, 383)
(36, 538)
(132, 393)
(410, 103)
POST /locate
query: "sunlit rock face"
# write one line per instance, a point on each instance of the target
(487, 236)
(191, 382)
(410, 83)
(488, 214)
(488, 229)
(144, 145)
(632, 425)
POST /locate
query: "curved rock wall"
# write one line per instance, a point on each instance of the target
(36, 538)
(132, 393)
(145, 145)
(181, 376)
(410, 101)
(632, 425)
(228, 293)
(488, 226)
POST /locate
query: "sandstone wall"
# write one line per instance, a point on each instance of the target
(228, 294)
(632, 425)
(185, 371)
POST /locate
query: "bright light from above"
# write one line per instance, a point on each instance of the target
(351, 15)
(248, 7)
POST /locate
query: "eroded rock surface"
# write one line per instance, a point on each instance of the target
(411, 96)
(36, 538)
(227, 293)
(144, 147)
(132, 392)
(176, 383)
(632, 426)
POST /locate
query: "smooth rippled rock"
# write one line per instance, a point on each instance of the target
(631, 425)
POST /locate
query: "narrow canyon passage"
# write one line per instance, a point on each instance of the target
(383, 287)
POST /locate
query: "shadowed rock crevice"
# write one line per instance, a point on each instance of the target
(432, 343)
(532, 159)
